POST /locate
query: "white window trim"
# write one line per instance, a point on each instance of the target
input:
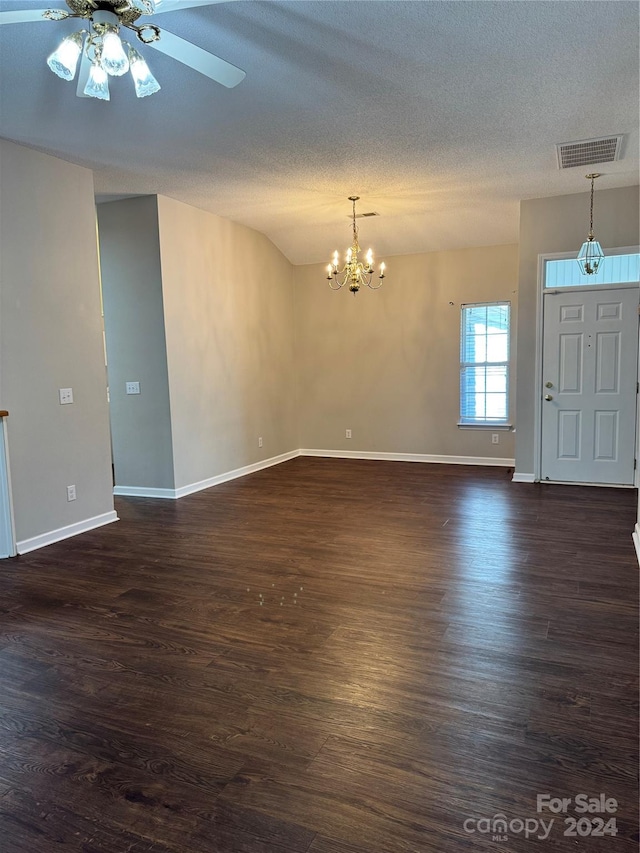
(494, 426)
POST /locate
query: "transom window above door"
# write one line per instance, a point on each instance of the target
(614, 269)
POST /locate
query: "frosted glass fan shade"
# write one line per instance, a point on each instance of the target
(590, 257)
(64, 59)
(114, 59)
(143, 80)
(98, 83)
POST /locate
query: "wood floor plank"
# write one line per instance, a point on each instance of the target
(328, 656)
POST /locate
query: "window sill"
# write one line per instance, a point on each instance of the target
(492, 427)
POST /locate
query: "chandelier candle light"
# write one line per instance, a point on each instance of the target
(103, 47)
(355, 273)
(590, 255)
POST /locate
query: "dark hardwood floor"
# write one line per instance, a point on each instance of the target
(328, 656)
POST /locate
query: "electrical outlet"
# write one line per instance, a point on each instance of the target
(71, 493)
(66, 396)
(495, 438)
(347, 433)
(133, 387)
(260, 441)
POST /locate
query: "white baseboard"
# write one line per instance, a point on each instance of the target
(233, 475)
(143, 492)
(523, 478)
(636, 540)
(411, 457)
(61, 533)
(174, 494)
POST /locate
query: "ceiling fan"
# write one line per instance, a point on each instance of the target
(101, 53)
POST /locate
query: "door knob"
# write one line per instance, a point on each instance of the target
(548, 397)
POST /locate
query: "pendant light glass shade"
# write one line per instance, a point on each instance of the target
(98, 83)
(64, 59)
(590, 256)
(114, 59)
(143, 80)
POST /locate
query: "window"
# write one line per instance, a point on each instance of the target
(484, 364)
(614, 269)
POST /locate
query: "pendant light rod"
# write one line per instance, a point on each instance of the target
(590, 256)
(592, 176)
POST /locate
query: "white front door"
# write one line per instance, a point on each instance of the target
(589, 375)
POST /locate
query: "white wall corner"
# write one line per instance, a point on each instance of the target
(518, 477)
(61, 533)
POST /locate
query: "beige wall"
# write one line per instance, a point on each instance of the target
(549, 225)
(51, 338)
(228, 297)
(386, 364)
(136, 347)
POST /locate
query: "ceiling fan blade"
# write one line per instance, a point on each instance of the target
(83, 75)
(23, 16)
(175, 5)
(200, 60)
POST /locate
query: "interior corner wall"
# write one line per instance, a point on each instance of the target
(229, 325)
(558, 224)
(51, 338)
(136, 346)
(387, 364)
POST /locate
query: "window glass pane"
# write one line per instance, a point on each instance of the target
(614, 269)
(497, 347)
(484, 369)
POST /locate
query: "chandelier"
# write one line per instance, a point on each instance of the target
(355, 273)
(590, 255)
(102, 46)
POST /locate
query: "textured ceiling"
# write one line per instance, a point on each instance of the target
(441, 115)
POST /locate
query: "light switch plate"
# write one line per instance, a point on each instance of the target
(133, 387)
(66, 396)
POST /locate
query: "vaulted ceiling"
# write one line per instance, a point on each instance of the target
(440, 115)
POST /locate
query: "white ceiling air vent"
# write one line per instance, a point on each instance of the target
(586, 152)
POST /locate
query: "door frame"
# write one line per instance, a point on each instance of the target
(7, 523)
(537, 411)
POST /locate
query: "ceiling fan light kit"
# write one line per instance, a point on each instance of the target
(101, 53)
(104, 48)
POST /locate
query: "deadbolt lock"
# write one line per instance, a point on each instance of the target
(548, 385)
